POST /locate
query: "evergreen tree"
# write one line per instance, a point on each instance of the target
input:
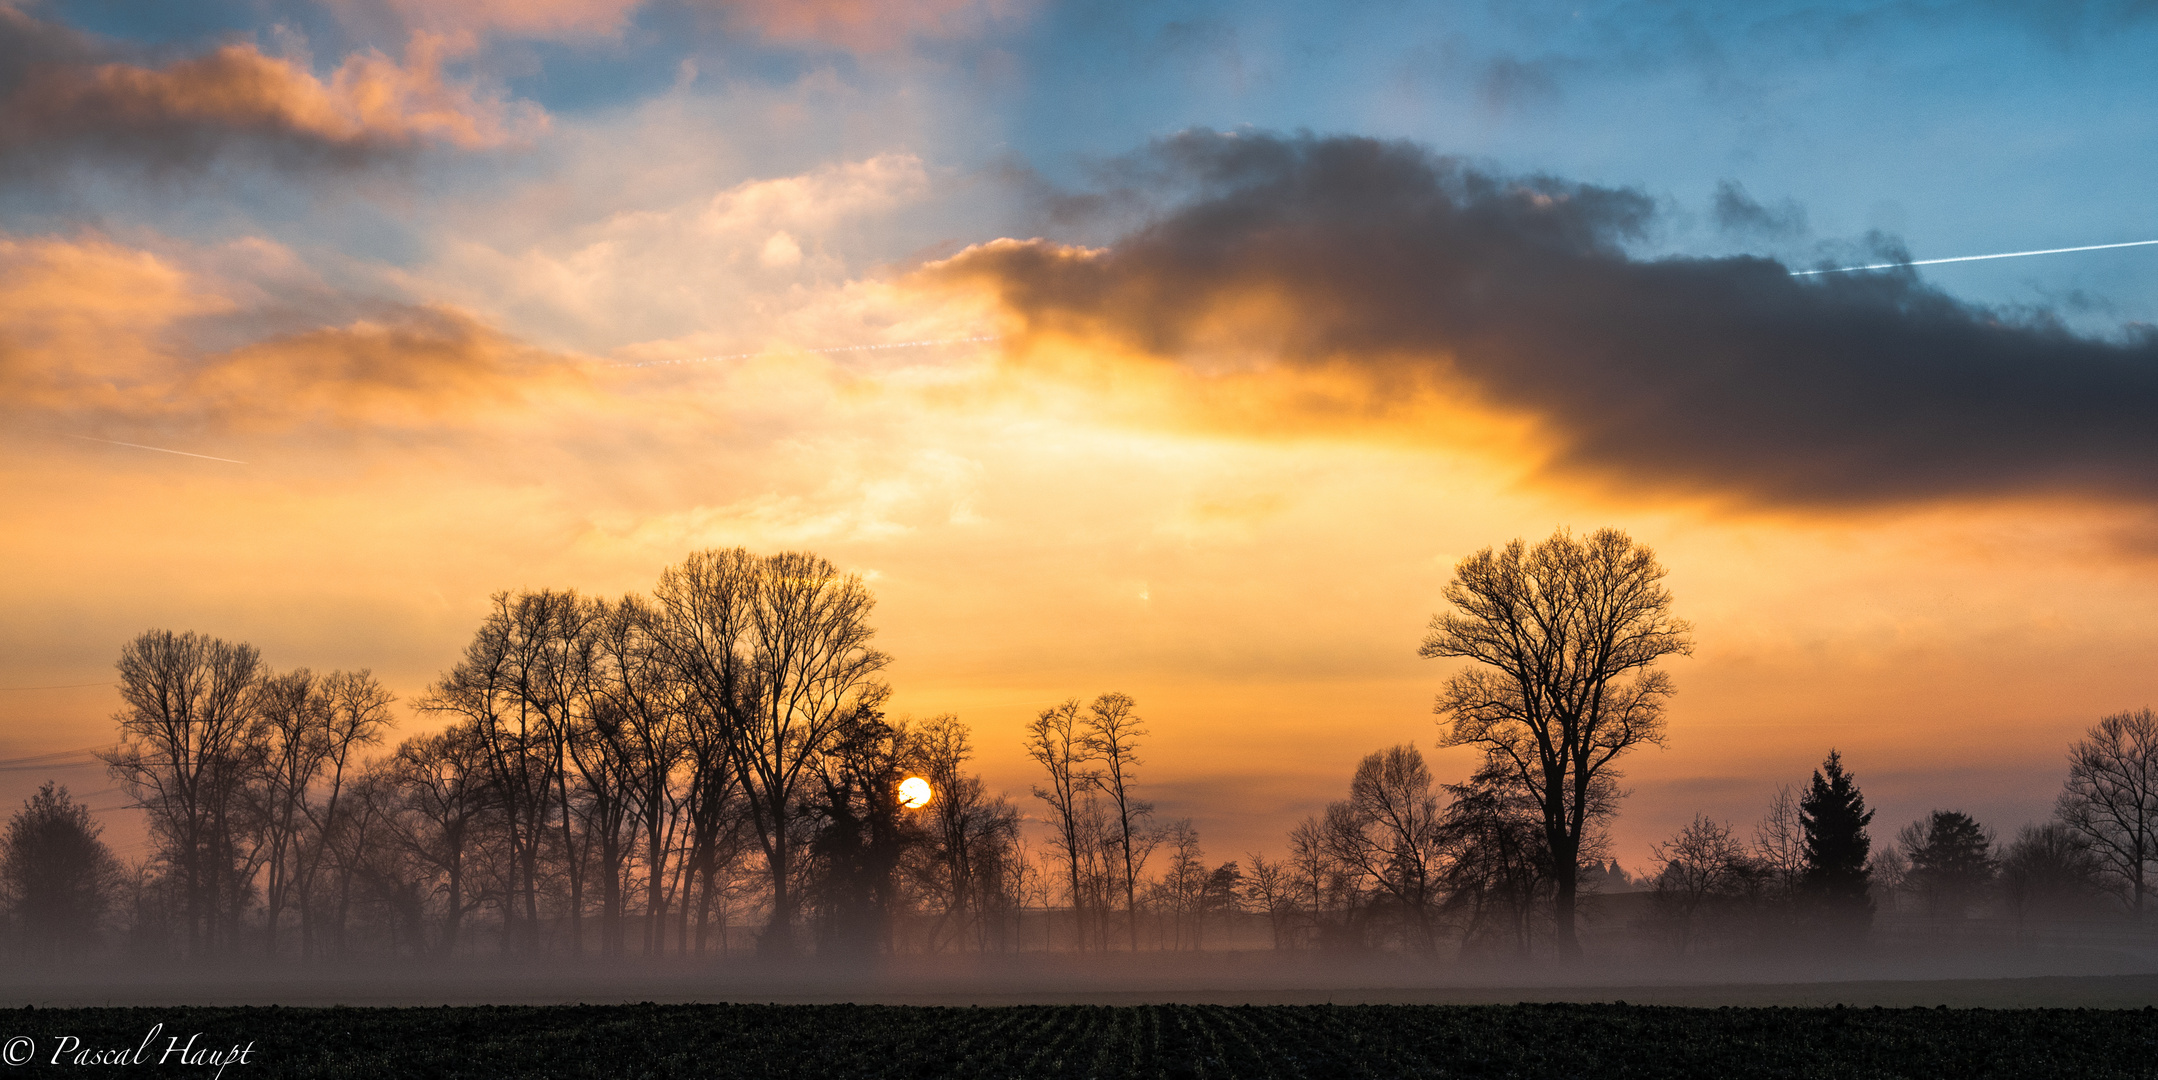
(1951, 861)
(1834, 817)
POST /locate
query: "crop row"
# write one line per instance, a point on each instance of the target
(841, 1042)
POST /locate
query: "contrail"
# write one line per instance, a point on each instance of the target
(159, 449)
(1973, 258)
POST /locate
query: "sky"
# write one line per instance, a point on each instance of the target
(1179, 349)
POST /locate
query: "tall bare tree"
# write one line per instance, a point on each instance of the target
(355, 712)
(2111, 799)
(1309, 871)
(649, 720)
(777, 647)
(1112, 739)
(441, 780)
(292, 722)
(1388, 832)
(184, 726)
(1182, 885)
(1565, 637)
(971, 836)
(1269, 887)
(492, 689)
(1055, 741)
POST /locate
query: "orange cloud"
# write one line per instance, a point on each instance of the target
(93, 331)
(427, 366)
(193, 107)
(79, 320)
(866, 26)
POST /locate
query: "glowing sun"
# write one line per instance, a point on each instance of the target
(914, 793)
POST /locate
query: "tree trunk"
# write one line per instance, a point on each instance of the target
(1563, 934)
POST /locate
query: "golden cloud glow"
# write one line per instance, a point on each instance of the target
(369, 101)
(1250, 550)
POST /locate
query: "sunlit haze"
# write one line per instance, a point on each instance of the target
(1217, 335)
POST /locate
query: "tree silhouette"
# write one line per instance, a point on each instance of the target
(777, 649)
(1702, 864)
(1951, 861)
(1834, 817)
(1566, 636)
(2111, 798)
(1112, 737)
(2050, 871)
(56, 876)
(188, 706)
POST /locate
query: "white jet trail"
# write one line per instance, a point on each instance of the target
(1973, 258)
(159, 449)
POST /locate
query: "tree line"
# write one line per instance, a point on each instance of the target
(711, 766)
(652, 774)
(2091, 860)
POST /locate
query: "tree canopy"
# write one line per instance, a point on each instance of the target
(1565, 637)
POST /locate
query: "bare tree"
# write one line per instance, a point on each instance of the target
(551, 672)
(2049, 871)
(1779, 841)
(1182, 887)
(863, 835)
(292, 723)
(441, 780)
(649, 718)
(2111, 799)
(973, 832)
(1564, 637)
(1112, 738)
(1388, 832)
(1702, 864)
(1268, 886)
(779, 648)
(490, 688)
(355, 712)
(699, 628)
(184, 725)
(1310, 873)
(1887, 873)
(1054, 740)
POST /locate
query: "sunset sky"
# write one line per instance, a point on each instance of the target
(1217, 334)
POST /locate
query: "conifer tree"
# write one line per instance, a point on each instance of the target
(1951, 861)
(1834, 817)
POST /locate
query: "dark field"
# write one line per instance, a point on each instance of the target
(1306, 1041)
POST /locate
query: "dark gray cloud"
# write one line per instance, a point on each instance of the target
(1721, 375)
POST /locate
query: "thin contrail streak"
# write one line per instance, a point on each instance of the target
(159, 449)
(1973, 258)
